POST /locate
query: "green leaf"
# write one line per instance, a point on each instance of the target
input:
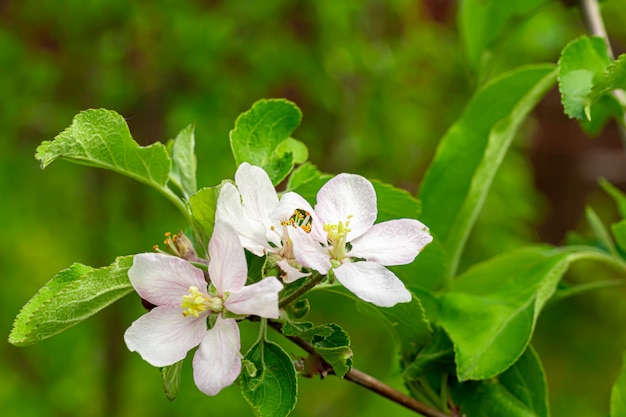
(259, 134)
(619, 232)
(439, 352)
(203, 205)
(618, 196)
(603, 109)
(618, 394)
(100, 138)
(582, 60)
(272, 390)
(298, 150)
(483, 23)
(457, 182)
(171, 380)
(307, 180)
(491, 311)
(73, 295)
(612, 79)
(184, 161)
(330, 341)
(602, 234)
(521, 391)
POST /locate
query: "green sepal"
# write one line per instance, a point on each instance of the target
(171, 380)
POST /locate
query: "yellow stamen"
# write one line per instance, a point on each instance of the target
(196, 302)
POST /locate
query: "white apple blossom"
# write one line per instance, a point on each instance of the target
(250, 209)
(184, 303)
(343, 237)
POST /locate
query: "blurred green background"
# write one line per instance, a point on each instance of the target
(378, 82)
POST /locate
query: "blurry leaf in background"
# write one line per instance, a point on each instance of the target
(618, 394)
(485, 22)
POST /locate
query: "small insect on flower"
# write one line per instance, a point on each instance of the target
(300, 218)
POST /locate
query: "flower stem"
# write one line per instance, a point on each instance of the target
(315, 279)
(369, 382)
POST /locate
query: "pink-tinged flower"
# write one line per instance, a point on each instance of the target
(343, 236)
(250, 209)
(184, 302)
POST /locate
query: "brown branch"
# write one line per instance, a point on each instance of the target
(367, 381)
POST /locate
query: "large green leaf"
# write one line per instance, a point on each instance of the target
(521, 391)
(491, 310)
(73, 295)
(582, 61)
(483, 23)
(262, 137)
(457, 182)
(618, 394)
(268, 381)
(101, 138)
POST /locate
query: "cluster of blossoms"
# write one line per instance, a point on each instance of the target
(337, 238)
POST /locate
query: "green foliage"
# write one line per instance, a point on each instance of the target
(171, 380)
(271, 389)
(261, 137)
(613, 78)
(484, 22)
(521, 391)
(184, 163)
(457, 182)
(72, 296)
(330, 341)
(101, 138)
(582, 61)
(618, 395)
(203, 204)
(492, 309)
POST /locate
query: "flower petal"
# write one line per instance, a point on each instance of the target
(348, 195)
(372, 282)
(216, 363)
(259, 299)
(230, 210)
(163, 336)
(394, 242)
(163, 279)
(257, 192)
(227, 268)
(309, 252)
(291, 274)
